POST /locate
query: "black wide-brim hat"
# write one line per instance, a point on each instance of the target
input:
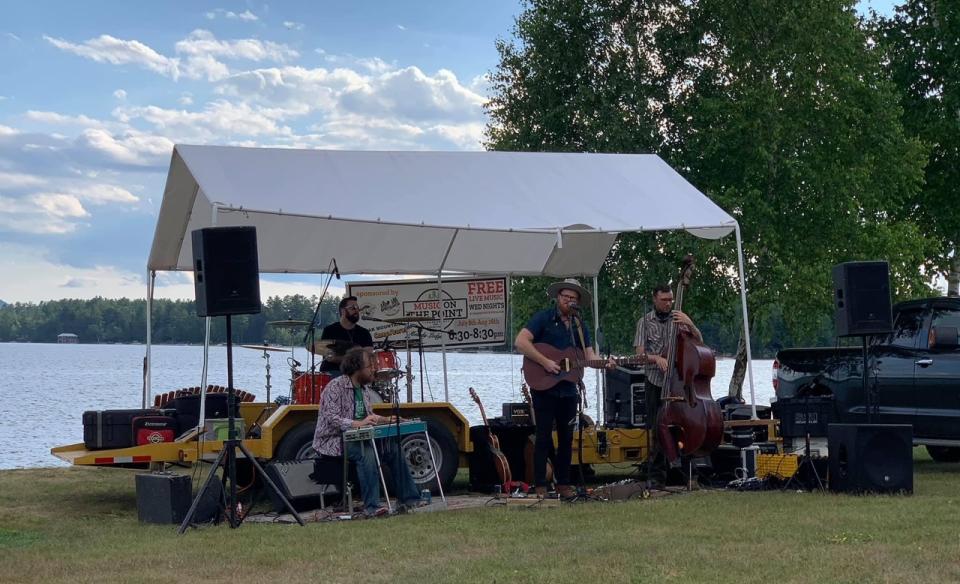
(570, 284)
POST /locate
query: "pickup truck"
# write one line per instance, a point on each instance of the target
(913, 374)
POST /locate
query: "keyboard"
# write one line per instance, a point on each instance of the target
(384, 431)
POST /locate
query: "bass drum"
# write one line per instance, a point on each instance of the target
(307, 387)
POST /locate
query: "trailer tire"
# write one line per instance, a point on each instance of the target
(445, 450)
(944, 453)
(297, 444)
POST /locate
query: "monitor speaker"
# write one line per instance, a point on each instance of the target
(861, 294)
(871, 458)
(227, 273)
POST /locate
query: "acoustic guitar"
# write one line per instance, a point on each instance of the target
(499, 460)
(571, 366)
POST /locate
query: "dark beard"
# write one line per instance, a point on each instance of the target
(354, 318)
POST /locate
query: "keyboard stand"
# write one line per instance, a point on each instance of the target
(383, 482)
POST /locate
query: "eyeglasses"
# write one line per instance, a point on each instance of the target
(572, 297)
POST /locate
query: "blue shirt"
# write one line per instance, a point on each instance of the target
(547, 326)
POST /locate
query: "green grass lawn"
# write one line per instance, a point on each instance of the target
(80, 525)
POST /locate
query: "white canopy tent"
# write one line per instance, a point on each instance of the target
(552, 214)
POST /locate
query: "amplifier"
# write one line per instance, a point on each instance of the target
(517, 413)
(625, 399)
(162, 497)
(294, 481)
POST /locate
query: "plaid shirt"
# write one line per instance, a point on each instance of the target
(651, 336)
(336, 415)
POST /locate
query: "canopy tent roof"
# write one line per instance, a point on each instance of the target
(554, 214)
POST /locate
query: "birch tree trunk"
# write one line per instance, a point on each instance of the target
(953, 278)
(739, 370)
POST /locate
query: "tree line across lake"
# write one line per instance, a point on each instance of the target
(102, 320)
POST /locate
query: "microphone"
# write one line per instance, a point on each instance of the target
(336, 270)
(574, 307)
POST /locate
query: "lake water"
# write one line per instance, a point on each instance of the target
(45, 388)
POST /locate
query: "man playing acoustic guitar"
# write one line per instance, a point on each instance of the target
(561, 328)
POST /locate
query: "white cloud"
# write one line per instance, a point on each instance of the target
(101, 194)
(43, 213)
(293, 25)
(133, 147)
(246, 15)
(12, 181)
(59, 119)
(12, 36)
(205, 66)
(401, 27)
(7, 131)
(219, 120)
(185, 99)
(108, 49)
(120, 94)
(203, 43)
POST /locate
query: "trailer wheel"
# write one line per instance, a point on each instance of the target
(445, 451)
(297, 444)
(944, 453)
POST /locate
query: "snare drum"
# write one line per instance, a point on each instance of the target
(307, 387)
(387, 363)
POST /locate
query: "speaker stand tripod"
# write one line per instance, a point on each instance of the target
(228, 458)
(806, 462)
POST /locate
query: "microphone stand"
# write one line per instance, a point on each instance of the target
(311, 333)
(581, 495)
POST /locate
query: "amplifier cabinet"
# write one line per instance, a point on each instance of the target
(625, 399)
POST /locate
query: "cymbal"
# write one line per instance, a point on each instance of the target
(404, 319)
(265, 348)
(338, 347)
(288, 323)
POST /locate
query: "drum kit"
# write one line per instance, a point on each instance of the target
(306, 386)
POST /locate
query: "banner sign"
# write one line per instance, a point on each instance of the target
(466, 312)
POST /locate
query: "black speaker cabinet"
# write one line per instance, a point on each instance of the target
(871, 458)
(163, 497)
(861, 294)
(296, 483)
(227, 272)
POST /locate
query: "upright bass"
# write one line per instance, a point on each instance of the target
(689, 422)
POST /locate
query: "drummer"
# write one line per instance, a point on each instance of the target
(345, 333)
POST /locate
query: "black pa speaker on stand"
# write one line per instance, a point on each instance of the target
(227, 282)
(227, 273)
(861, 293)
(871, 458)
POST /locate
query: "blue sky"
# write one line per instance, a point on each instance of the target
(93, 95)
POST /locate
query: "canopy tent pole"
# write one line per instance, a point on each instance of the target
(443, 337)
(206, 344)
(746, 321)
(151, 283)
(601, 379)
